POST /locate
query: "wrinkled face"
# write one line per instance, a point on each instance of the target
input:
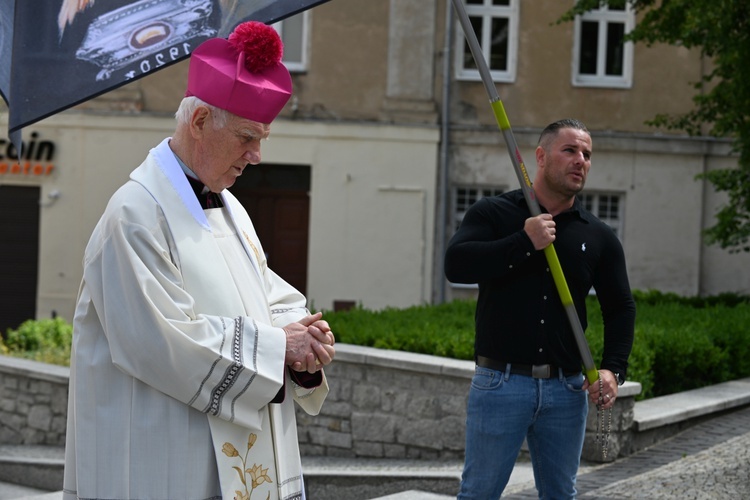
(566, 161)
(224, 153)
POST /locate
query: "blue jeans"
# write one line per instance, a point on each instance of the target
(503, 409)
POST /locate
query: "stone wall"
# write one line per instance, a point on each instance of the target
(389, 404)
(382, 404)
(33, 402)
(393, 404)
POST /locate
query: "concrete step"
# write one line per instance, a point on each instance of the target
(347, 478)
(33, 472)
(680, 407)
(10, 491)
(416, 495)
(33, 466)
(392, 479)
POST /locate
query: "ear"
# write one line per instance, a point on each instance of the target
(540, 155)
(199, 121)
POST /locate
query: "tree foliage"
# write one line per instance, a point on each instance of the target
(720, 29)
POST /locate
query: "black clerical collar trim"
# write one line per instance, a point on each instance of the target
(206, 197)
(198, 187)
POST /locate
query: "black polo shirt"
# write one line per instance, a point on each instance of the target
(519, 316)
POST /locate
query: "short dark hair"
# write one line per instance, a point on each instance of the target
(551, 130)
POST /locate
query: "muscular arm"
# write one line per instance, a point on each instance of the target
(485, 246)
(618, 308)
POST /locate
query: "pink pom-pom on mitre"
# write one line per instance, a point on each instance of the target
(260, 43)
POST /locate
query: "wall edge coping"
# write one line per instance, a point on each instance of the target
(40, 370)
(673, 408)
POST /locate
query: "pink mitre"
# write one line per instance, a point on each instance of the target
(242, 74)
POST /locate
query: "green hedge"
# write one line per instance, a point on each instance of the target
(46, 340)
(680, 343)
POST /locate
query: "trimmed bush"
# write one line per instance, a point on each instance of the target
(443, 330)
(680, 343)
(46, 340)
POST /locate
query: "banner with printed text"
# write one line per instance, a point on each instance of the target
(55, 54)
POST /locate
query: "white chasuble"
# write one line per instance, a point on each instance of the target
(178, 351)
(247, 459)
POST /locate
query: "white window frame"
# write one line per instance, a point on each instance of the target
(296, 66)
(487, 12)
(603, 17)
(617, 224)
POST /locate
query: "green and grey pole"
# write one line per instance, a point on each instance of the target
(592, 375)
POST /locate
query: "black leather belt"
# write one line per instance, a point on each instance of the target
(536, 371)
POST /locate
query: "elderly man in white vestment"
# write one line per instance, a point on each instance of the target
(189, 352)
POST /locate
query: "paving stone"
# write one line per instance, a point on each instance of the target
(710, 460)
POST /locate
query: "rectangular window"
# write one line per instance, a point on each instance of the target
(293, 32)
(495, 23)
(601, 57)
(465, 196)
(607, 207)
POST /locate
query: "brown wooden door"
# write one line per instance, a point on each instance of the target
(19, 254)
(277, 199)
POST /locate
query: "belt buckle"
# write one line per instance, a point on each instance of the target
(540, 371)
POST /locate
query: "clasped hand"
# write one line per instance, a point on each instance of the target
(309, 344)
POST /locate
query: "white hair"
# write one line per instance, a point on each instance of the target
(188, 105)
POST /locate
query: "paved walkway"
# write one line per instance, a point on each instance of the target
(708, 461)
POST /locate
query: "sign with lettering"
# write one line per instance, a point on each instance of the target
(37, 158)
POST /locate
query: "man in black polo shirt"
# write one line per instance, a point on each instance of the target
(528, 381)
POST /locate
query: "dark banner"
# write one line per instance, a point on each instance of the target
(55, 54)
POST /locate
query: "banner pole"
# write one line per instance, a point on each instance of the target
(592, 375)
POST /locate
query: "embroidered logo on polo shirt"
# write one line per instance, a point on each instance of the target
(583, 247)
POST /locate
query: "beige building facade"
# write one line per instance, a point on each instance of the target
(356, 251)
(393, 138)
